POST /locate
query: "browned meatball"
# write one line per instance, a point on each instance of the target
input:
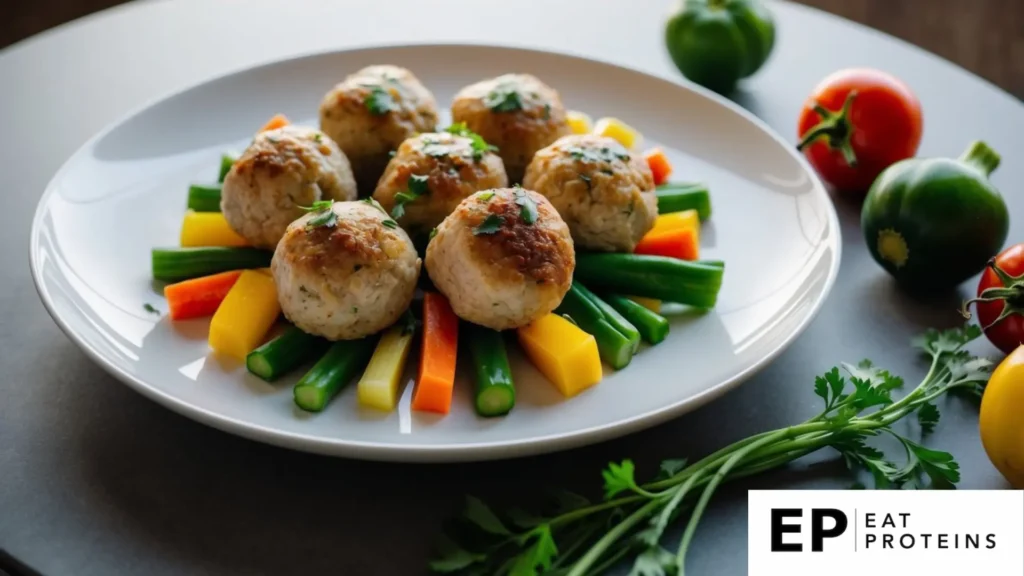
(503, 258)
(371, 112)
(603, 192)
(515, 112)
(433, 173)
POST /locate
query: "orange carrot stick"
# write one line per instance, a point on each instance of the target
(660, 166)
(199, 296)
(278, 121)
(675, 243)
(437, 362)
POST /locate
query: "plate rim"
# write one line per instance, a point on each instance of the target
(421, 453)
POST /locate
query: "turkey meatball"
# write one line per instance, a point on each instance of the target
(280, 171)
(346, 273)
(604, 193)
(503, 258)
(515, 112)
(431, 173)
(371, 112)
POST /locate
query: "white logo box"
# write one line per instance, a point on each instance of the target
(934, 532)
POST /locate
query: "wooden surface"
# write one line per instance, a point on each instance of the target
(984, 36)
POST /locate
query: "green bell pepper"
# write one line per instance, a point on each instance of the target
(933, 223)
(715, 43)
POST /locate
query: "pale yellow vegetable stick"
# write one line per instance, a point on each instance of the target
(378, 388)
(245, 316)
(579, 123)
(619, 130)
(208, 229)
(566, 355)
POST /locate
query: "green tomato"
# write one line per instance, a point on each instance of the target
(715, 43)
(933, 223)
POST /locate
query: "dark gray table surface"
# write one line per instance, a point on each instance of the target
(96, 480)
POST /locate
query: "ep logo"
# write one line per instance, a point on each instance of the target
(824, 523)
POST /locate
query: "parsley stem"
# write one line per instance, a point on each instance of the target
(581, 567)
(584, 512)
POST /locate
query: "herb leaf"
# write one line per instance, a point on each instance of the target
(654, 561)
(490, 225)
(503, 98)
(539, 555)
(379, 101)
(453, 557)
(327, 219)
(318, 206)
(433, 232)
(417, 186)
(150, 308)
(619, 478)
(671, 467)
(389, 223)
(928, 416)
(479, 514)
(479, 145)
(527, 207)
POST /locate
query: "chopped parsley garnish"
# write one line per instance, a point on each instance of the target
(150, 308)
(389, 223)
(355, 310)
(408, 322)
(486, 196)
(417, 186)
(504, 98)
(490, 225)
(435, 148)
(318, 137)
(480, 146)
(586, 180)
(379, 101)
(433, 232)
(392, 153)
(324, 216)
(369, 200)
(547, 112)
(603, 154)
(527, 207)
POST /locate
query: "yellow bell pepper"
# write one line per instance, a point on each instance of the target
(1002, 428)
(566, 355)
(246, 315)
(208, 229)
(378, 387)
(687, 219)
(579, 122)
(619, 130)
(651, 304)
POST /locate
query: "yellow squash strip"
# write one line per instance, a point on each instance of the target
(675, 220)
(566, 355)
(650, 303)
(208, 229)
(579, 122)
(619, 130)
(245, 316)
(378, 388)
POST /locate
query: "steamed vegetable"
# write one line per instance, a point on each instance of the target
(652, 304)
(653, 327)
(284, 353)
(1000, 299)
(495, 391)
(566, 355)
(204, 198)
(667, 279)
(245, 316)
(277, 121)
(176, 264)
(226, 162)
(715, 43)
(681, 197)
(660, 167)
(1002, 428)
(378, 387)
(436, 380)
(615, 348)
(208, 229)
(199, 297)
(681, 243)
(335, 369)
(611, 316)
(579, 123)
(933, 223)
(857, 123)
(620, 131)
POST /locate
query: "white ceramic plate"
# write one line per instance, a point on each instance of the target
(124, 192)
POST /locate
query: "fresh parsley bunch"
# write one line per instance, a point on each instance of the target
(576, 537)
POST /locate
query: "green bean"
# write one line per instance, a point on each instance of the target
(333, 372)
(669, 279)
(679, 197)
(176, 264)
(495, 392)
(204, 198)
(284, 353)
(653, 327)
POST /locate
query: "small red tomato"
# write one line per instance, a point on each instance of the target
(1000, 300)
(857, 123)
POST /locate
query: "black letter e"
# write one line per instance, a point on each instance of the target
(779, 528)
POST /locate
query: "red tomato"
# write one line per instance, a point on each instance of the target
(1002, 285)
(857, 123)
